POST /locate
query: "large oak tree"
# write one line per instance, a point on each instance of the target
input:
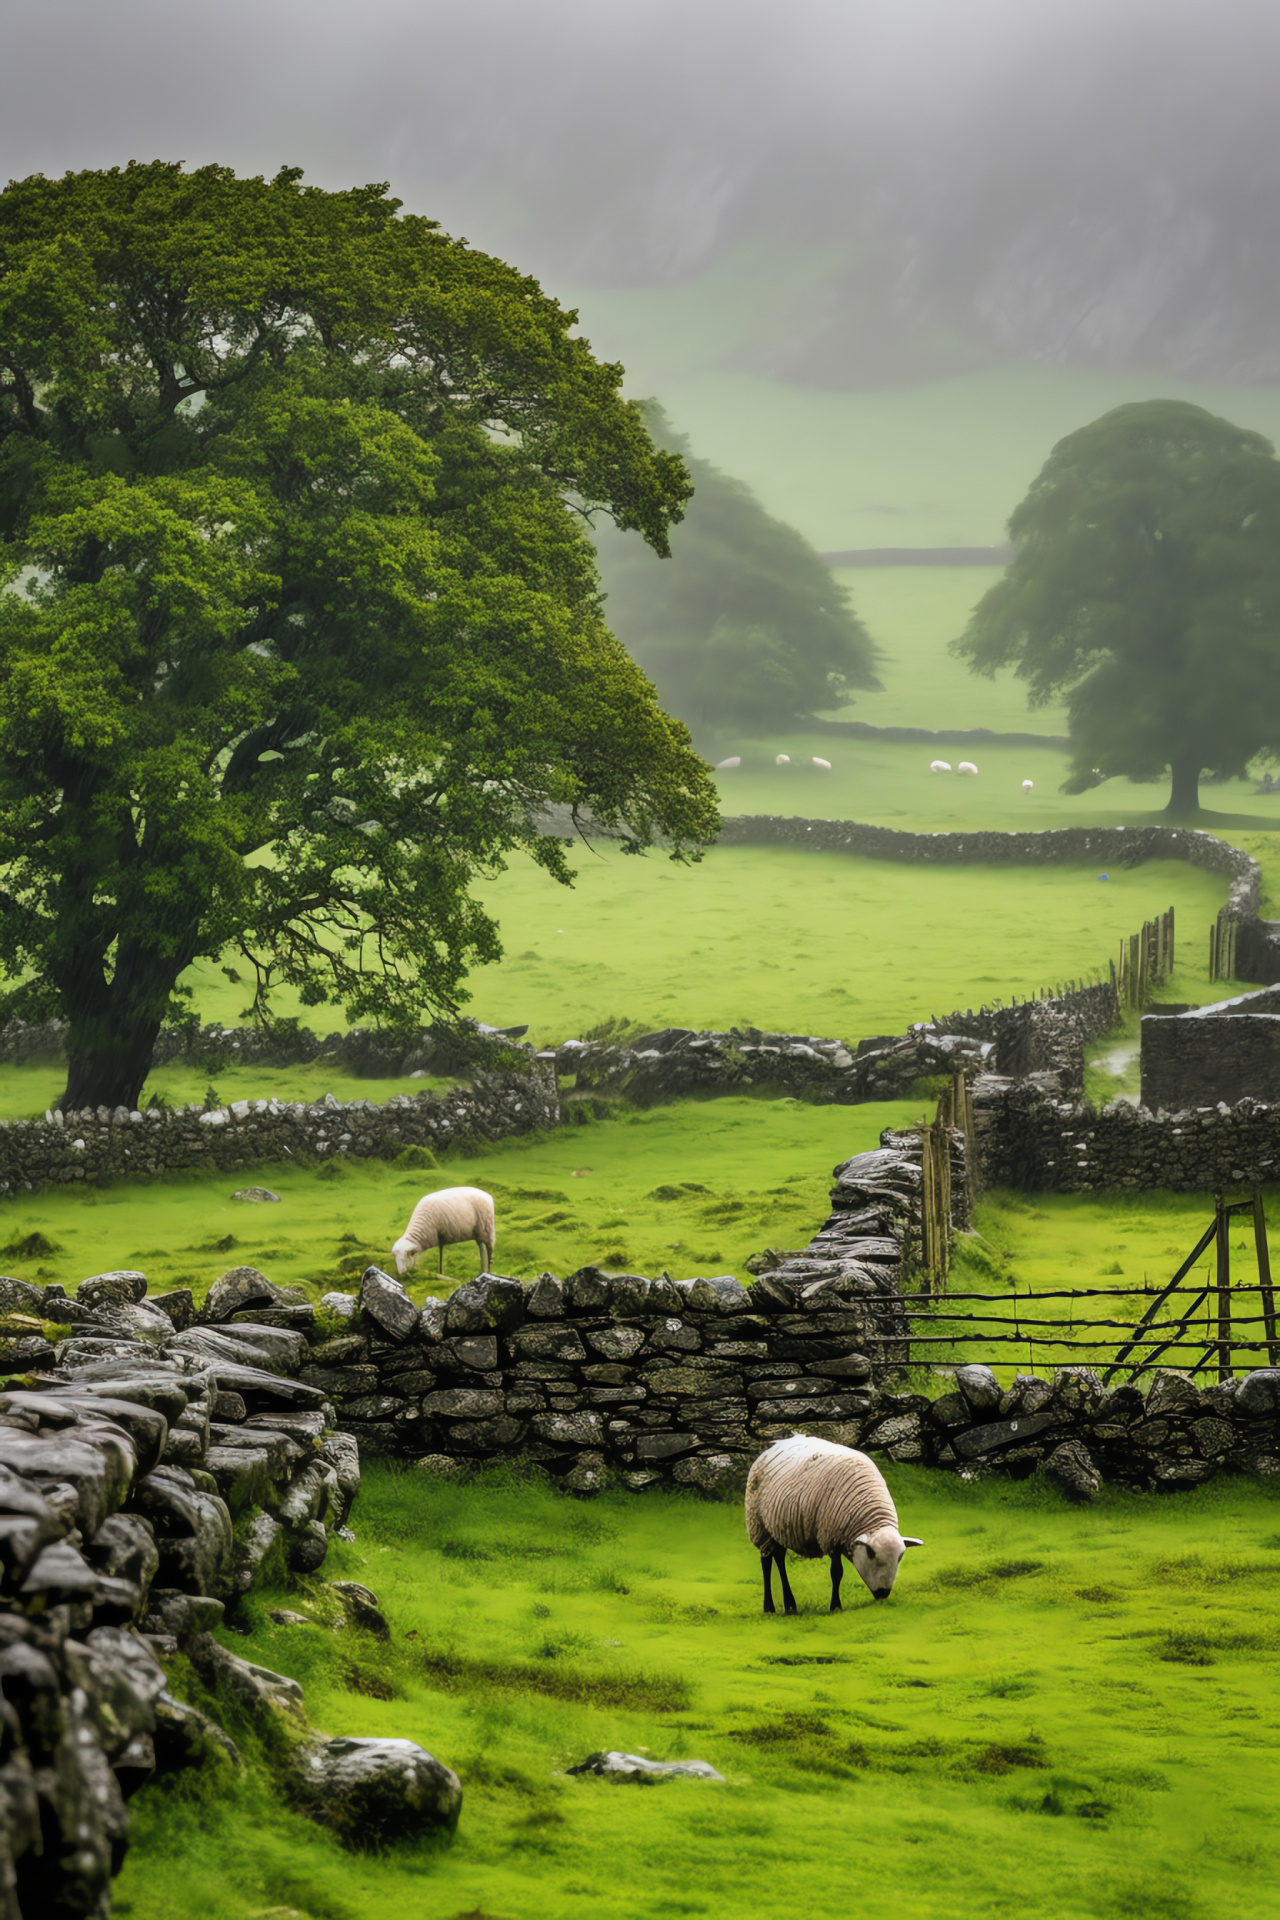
(301, 626)
(1145, 585)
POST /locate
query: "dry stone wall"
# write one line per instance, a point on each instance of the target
(152, 1465)
(106, 1145)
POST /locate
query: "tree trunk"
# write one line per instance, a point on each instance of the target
(1184, 795)
(113, 1024)
(107, 1065)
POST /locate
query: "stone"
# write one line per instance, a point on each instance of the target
(696, 1381)
(950, 1410)
(262, 1194)
(342, 1453)
(477, 1351)
(236, 1288)
(711, 1471)
(251, 1550)
(1070, 1468)
(616, 1343)
(306, 1549)
(662, 1446)
(282, 1617)
(551, 1341)
(20, 1296)
(342, 1306)
(384, 1301)
(120, 1288)
(438, 1466)
(178, 1306)
(569, 1429)
(979, 1441)
(1171, 1392)
(633, 1766)
(490, 1304)
(546, 1299)
(257, 1690)
(1077, 1389)
(980, 1388)
(587, 1290)
(723, 1294)
(465, 1403)
(1259, 1392)
(373, 1791)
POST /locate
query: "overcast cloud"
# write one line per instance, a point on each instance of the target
(1065, 180)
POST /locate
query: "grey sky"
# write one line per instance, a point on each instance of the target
(1054, 178)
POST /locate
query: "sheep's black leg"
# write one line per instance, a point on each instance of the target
(441, 1267)
(766, 1567)
(837, 1575)
(788, 1598)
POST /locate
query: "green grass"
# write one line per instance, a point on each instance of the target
(1073, 1707)
(821, 943)
(748, 1173)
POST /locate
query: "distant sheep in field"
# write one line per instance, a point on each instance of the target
(824, 764)
(815, 1498)
(734, 760)
(939, 766)
(966, 766)
(445, 1219)
(782, 760)
(1027, 785)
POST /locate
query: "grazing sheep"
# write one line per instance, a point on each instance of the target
(824, 764)
(782, 760)
(734, 760)
(443, 1220)
(966, 766)
(1027, 785)
(816, 1498)
(939, 766)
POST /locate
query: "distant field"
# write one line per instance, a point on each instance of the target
(912, 613)
(1060, 1713)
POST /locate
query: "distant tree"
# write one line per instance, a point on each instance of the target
(1145, 585)
(744, 626)
(300, 627)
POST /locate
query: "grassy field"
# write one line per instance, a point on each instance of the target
(746, 1173)
(1063, 1711)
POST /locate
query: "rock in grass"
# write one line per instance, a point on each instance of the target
(633, 1766)
(257, 1193)
(362, 1607)
(373, 1791)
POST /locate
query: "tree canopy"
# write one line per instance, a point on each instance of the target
(1145, 585)
(301, 626)
(744, 626)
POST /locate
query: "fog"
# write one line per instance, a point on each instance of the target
(1066, 181)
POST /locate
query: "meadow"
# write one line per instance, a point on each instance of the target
(1064, 1711)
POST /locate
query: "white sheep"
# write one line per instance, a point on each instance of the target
(939, 766)
(445, 1219)
(824, 764)
(815, 1498)
(782, 760)
(966, 766)
(1028, 785)
(734, 760)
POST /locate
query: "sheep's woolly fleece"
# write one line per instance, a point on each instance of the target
(447, 1218)
(814, 1497)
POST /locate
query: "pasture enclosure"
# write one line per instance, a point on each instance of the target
(1069, 1703)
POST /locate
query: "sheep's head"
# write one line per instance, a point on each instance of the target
(876, 1558)
(406, 1255)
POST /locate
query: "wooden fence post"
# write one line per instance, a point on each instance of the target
(1223, 1284)
(1264, 1278)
